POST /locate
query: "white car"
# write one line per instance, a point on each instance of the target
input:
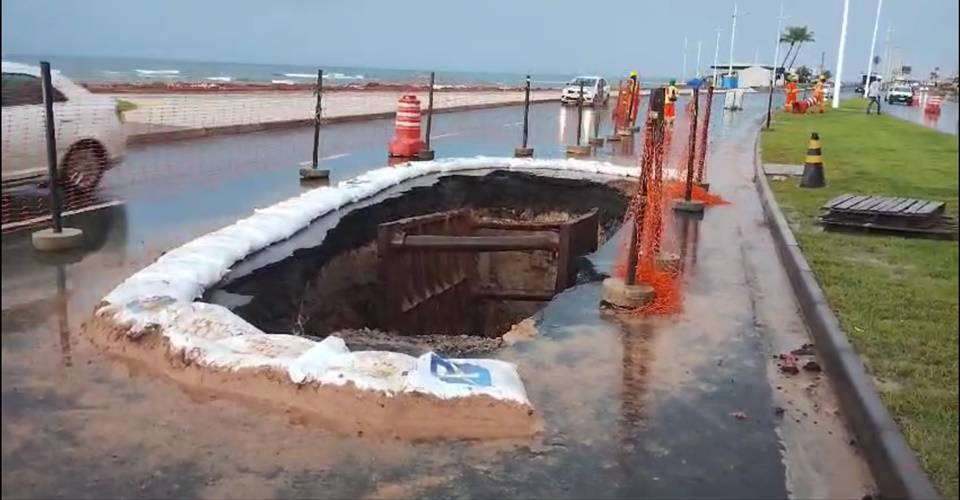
(902, 94)
(827, 90)
(596, 91)
(89, 130)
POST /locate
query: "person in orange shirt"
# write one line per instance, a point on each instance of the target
(670, 103)
(818, 92)
(791, 94)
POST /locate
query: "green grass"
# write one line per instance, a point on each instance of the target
(897, 298)
(124, 105)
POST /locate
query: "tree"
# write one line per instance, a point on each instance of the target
(796, 36)
(827, 74)
(804, 74)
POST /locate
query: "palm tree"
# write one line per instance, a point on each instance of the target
(795, 36)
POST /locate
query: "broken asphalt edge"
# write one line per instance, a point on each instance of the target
(243, 128)
(895, 468)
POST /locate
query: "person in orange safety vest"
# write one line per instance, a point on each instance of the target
(635, 93)
(818, 91)
(670, 102)
(791, 94)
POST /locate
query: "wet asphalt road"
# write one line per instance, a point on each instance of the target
(636, 408)
(947, 121)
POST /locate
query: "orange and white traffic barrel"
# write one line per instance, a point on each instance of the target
(406, 141)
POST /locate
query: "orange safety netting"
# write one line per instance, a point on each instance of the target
(657, 264)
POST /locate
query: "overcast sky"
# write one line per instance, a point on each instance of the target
(555, 36)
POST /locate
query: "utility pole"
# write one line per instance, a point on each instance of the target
(684, 74)
(873, 43)
(776, 57)
(733, 35)
(843, 44)
(699, 45)
(716, 57)
(886, 56)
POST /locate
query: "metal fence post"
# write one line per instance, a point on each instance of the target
(316, 120)
(313, 173)
(56, 237)
(526, 112)
(55, 199)
(426, 153)
(692, 148)
(580, 113)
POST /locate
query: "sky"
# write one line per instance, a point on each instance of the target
(538, 36)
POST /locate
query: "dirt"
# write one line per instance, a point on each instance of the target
(415, 345)
(342, 409)
(334, 287)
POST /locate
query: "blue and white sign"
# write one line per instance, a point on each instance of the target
(459, 372)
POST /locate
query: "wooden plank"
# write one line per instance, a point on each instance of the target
(849, 203)
(439, 243)
(922, 208)
(877, 201)
(838, 200)
(900, 207)
(885, 206)
(865, 204)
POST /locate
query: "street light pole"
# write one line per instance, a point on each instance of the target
(776, 57)
(699, 45)
(843, 44)
(716, 59)
(733, 35)
(873, 42)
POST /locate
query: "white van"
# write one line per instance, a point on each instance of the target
(89, 129)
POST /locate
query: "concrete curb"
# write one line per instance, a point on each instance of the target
(192, 133)
(894, 466)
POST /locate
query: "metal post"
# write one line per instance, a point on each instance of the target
(692, 143)
(526, 112)
(429, 111)
(873, 44)
(316, 121)
(705, 133)
(631, 276)
(580, 113)
(776, 57)
(54, 185)
(843, 43)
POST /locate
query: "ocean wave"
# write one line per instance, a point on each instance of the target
(341, 76)
(158, 71)
(299, 75)
(219, 78)
(284, 82)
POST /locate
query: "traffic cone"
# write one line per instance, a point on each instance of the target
(813, 165)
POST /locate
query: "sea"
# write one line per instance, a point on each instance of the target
(143, 70)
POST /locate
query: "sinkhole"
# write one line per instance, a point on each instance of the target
(446, 264)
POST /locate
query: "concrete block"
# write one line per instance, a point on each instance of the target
(523, 152)
(46, 240)
(578, 150)
(692, 206)
(620, 294)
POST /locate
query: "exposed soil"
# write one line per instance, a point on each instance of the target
(334, 287)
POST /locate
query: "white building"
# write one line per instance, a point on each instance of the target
(749, 75)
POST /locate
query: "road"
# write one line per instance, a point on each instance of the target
(635, 408)
(947, 121)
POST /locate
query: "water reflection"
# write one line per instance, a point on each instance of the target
(62, 315)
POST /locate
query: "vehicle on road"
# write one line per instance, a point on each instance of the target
(596, 91)
(827, 90)
(89, 129)
(902, 94)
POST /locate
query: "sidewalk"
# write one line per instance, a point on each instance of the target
(160, 117)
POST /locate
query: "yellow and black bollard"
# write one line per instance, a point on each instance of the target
(813, 165)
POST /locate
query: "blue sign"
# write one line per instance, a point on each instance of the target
(459, 373)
